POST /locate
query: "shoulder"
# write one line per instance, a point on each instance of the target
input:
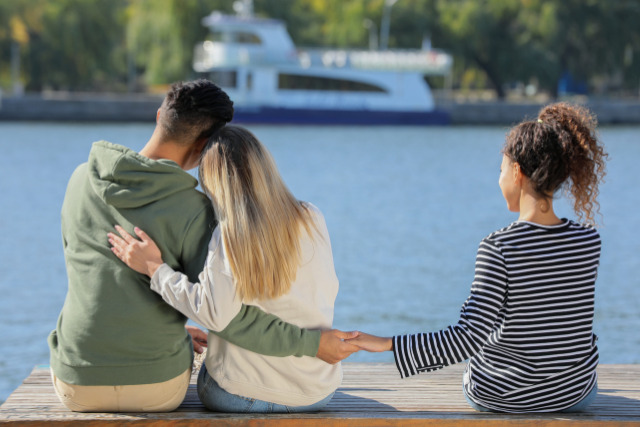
(197, 212)
(501, 240)
(314, 212)
(80, 171)
(197, 201)
(316, 216)
(584, 232)
(579, 227)
(505, 235)
(311, 208)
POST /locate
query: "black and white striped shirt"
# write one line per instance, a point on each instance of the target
(526, 328)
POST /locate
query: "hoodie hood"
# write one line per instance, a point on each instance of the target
(125, 179)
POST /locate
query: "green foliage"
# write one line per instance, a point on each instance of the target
(71, 44)
(106, 44)
(161, 35)
(303, 22)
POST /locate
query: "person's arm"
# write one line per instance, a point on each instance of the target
(212, 303)
(425, 352)
(252, 328)
(282, 338)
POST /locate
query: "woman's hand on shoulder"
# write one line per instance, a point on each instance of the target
(143, 255)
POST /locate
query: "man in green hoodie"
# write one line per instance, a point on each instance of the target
(118, 347)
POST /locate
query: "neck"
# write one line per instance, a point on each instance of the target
(158, 148)
(536, 209)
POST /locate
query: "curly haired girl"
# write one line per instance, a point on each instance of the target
(526, 327)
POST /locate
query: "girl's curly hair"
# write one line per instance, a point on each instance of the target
(561, 150)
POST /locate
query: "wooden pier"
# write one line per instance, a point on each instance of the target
(372, 394)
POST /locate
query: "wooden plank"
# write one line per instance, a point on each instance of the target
(371, 394)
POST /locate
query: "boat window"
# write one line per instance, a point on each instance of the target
(226, 79)
(299, 82)
(247, 38)
(235, 37)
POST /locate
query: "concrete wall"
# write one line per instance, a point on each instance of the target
(142, 108)
(502, 113)
(81, 109)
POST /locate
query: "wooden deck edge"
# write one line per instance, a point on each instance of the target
(356, 421)
(371, 395)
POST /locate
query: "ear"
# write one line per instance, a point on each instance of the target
(517, 173)
(157, 115)
(202, 143)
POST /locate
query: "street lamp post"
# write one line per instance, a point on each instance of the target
(373, 29)
(385, 24)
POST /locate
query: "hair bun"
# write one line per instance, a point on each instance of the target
(575, 127)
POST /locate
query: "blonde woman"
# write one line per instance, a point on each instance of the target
(268, 250)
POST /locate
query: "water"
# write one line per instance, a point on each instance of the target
(406, 208)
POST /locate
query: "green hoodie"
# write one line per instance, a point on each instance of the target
(113, 329)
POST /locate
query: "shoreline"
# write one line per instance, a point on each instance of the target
(142, 108)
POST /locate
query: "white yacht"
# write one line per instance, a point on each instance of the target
(271, 81)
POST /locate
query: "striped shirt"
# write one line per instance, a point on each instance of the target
(526, 328)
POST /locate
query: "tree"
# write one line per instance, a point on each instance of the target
(74, 44)
(524, 40)
(593, 37)
(100, 44)
(485, 32)
(161, 35)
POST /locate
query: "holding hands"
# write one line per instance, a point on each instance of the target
(145, 257)
(336, 345)
(371, 343)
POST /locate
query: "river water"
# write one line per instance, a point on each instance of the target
(406, 208)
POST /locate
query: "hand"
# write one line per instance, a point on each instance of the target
(371, 342)
(333, 348)
(142, 256)
(198, 337)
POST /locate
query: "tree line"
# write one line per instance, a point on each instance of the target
(134, 45)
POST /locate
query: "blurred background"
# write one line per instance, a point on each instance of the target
(405, 205)
(502, 49)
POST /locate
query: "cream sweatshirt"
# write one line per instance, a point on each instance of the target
(212, 302)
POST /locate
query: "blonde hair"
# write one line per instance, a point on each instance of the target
(259, 219)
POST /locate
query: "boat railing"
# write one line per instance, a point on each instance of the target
(431, 62)
(208, 55)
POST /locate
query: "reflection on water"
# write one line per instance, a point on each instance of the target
(406, 209)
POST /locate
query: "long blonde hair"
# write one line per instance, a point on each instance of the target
(259, 219)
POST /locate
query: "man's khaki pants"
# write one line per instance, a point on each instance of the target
(158, 397)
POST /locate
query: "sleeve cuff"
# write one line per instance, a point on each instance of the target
(399, 356)
(163, 271)
(309, 342)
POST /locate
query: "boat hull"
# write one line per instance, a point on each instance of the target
(304, 116)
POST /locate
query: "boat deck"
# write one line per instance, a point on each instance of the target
(372, 394)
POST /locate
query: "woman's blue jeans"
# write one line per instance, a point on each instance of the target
(578, 407)
(214, 398)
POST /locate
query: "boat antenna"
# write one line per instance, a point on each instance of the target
(243, 8)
